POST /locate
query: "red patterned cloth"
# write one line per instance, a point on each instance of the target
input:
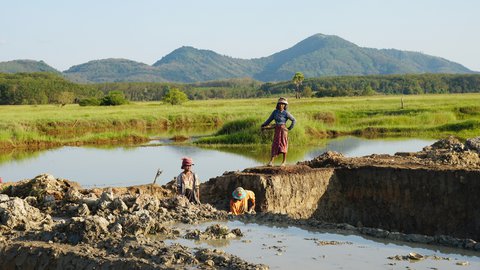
(186, 161)
(280, 140)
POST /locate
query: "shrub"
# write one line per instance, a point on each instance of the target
(114, 98)
(89, 102)
(175, 97)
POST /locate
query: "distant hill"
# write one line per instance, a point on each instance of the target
(322, 55)
(188, 64)
(317, 56)
(113, 70)
(26, 66)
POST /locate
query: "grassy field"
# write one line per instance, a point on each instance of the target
(238, 121)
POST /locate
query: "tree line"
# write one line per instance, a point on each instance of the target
(48, 88)
(381, 84)
(41, 88)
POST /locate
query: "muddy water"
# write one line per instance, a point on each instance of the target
(296, 248)
(122, 166)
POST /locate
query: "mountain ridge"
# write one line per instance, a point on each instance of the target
(316, 56)
(26, 65)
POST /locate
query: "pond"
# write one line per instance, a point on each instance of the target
(297, 248)
(135, 165)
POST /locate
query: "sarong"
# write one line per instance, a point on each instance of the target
(280, 140)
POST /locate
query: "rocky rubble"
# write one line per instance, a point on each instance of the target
(443, 154)
(17, 214)
(451, 151)
(215, 231)
(111, 225)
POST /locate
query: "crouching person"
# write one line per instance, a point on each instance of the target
(188, 183)
(243, 201)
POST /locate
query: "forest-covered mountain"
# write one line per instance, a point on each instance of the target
(113, 70)
(317, 56)
(26, 66)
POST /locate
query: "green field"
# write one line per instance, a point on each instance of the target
(238, 121)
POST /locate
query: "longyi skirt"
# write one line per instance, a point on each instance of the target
(280, 140)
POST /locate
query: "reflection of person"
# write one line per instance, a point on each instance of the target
(188, 183)
(280, 139)
(243, 201)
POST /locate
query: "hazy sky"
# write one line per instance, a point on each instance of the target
(65, 33)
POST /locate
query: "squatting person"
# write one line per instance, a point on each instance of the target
(243, 201)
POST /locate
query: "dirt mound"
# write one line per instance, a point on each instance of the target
(109, 225)
(43, 188)
(450, 151)
(443, 154)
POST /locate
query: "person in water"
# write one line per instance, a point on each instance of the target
(280, 139)
(243, 201)
(188, 183)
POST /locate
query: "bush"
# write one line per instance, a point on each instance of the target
(113, 98)
(89, 102)
(175, 97)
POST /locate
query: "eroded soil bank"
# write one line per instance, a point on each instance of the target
(50, 223)
(433, 192)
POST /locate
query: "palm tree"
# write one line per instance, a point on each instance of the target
(298, 80)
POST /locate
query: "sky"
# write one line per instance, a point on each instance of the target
(67, 33)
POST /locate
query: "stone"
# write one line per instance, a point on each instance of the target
(209, 263)
(72, 195)
(107, 196)
(119, 205)
(473, 144)
(83, 210)
(4, 198)
(116, 228)
(18, 214)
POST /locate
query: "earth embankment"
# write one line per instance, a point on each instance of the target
(431, 192)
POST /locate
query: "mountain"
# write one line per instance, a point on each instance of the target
(26, 66)
(322, 55)
(188, 64)
(316, 56)
(113, 70)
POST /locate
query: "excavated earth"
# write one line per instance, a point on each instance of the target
(429, 196)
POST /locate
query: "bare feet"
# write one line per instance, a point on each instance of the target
(282, 165)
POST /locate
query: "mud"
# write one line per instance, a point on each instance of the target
(49, 223)
(424, 197)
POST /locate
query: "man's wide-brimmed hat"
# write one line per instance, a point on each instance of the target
(186, 161)
(239, 193)
(282, 100)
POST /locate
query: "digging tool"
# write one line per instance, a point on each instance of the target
(157, 175)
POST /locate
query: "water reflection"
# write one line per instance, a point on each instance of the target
(133, 165)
